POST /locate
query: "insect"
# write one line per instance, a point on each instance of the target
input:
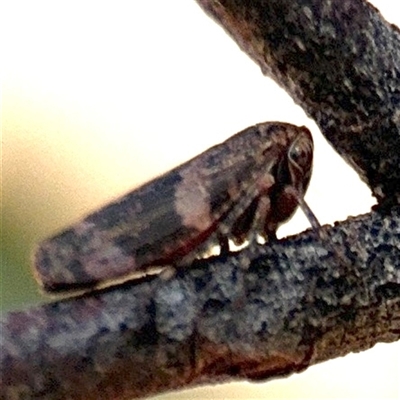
(241, 189)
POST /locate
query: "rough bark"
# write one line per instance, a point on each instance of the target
(267, 311)
(340, 60)
(295, 303)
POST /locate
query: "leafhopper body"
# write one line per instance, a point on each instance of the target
(240, 188)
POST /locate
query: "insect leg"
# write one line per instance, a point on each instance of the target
(312, 219)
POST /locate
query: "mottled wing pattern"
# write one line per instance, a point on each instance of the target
(215, 195)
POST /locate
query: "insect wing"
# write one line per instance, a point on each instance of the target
(158, 223)
(171, 217)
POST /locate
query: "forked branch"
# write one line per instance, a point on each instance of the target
(269, 310)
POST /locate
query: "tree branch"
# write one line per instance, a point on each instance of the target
(338, 59)
(216, 321)
(269, 310)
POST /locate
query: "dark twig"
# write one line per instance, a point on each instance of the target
(340, 60)
(293, 306)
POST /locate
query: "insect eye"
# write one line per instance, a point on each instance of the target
(300, 154)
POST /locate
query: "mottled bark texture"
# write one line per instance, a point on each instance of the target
(339, 60)
(269, 310)
(296, 303)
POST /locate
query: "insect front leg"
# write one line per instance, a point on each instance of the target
(250, 225)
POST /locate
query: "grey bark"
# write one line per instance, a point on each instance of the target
(264, 312)
(267, 311)
(339, 60)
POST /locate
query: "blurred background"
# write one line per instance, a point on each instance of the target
(100, 96)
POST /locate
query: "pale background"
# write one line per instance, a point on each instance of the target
(100, 96)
